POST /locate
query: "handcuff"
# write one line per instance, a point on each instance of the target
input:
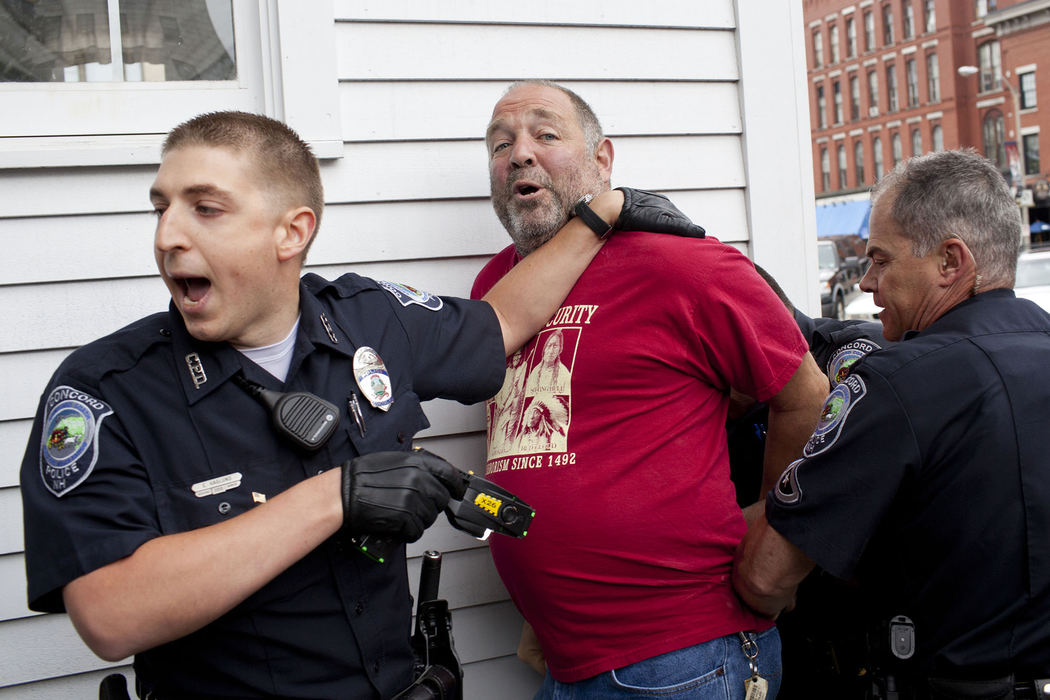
(589, 217)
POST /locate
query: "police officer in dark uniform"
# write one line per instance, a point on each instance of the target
(927, 477)
(165, 510)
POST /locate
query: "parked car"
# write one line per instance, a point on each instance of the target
(1033, 277)
(839, 268)
(863, 308)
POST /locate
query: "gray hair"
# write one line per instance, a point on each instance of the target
(956, 194)
(592, 128)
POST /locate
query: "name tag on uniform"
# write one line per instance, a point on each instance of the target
(216, 485)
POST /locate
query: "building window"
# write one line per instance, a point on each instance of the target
(1027, 94)
(909, 20)
(833, 37)
(983, 7)
(836, 94)
(937, 136)
(825, 170)
(891, 87)
(887, 25)
(991, 66)
(933, 78)
(898, 148)
(869, 31)
(1031, 153)
(842, 168)
(911, 73)
(873, 93)
(930, 15)
(858, 162)
(818, 49)
(854, 98)
(851, 38)
(821, 107)
(916, 142)
(876, 148)
(993, 138)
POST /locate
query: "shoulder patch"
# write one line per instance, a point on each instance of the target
(409, 295)
(837, 406)
(788, 491)
(840, 363)
(69, 440)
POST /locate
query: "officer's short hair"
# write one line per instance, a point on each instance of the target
(284, 160)
(958, 194)
(588, 120)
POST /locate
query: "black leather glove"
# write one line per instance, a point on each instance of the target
(397, 494)
(649, 211)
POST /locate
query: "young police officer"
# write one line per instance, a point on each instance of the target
(164, 513)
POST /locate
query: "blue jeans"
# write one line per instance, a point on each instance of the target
(714, 670)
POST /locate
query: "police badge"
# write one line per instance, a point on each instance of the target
(69, 440)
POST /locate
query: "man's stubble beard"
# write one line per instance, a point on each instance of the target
(531, 224)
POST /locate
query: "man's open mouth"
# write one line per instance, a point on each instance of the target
(526, 189)
(194, 288)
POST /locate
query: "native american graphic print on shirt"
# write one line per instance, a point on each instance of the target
(531, 414)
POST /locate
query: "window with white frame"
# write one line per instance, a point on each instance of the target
(825, 170)
(897, 147)
(858, 161)
(876, 152)
(842, 167)
(836, 94)
(869, 31)
(933, 78)
(929, 11)
(983, 7)
(891, 87)
(887, 25)
(1027, 92)
(993, 138)
(873, 93)
(818, 49)
(1031, 152)
(916, 141)
(124, 72)
(911, 73)
(854, 98)
(991, 66)
(851, 37)
(822, 119)
(937, 137)
(908, 20)
(833, 39)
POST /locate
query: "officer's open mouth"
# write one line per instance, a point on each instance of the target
(194, 288)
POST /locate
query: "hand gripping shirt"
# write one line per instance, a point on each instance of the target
(611, 424)
(928, 478)
(142, 434)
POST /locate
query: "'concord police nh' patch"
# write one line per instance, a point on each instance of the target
(837, 406)
(840, 363)
(409, 295)
(69, 443)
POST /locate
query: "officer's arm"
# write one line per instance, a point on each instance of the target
(175, 584)
(768, 568)
(793, 414)
(528, 295)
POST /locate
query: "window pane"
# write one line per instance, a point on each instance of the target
(1027, 90)
(916, 142)
(158, 40)
(1031, 153)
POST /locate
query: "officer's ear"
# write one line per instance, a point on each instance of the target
(294, 232)
(956, 262)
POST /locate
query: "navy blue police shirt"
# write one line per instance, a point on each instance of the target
(928, 478)
(143, 434)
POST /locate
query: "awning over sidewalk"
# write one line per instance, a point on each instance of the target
(838, 218)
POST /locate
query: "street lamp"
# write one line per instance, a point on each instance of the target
(967, 71)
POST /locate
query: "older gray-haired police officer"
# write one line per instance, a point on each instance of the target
(161, 509)
(928, 476)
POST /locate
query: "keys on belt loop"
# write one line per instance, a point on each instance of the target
(755, 687)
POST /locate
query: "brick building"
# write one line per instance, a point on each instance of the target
(884, 84)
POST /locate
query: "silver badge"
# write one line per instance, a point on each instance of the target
(373, 379)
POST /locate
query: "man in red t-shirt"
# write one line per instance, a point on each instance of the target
(611, 424)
